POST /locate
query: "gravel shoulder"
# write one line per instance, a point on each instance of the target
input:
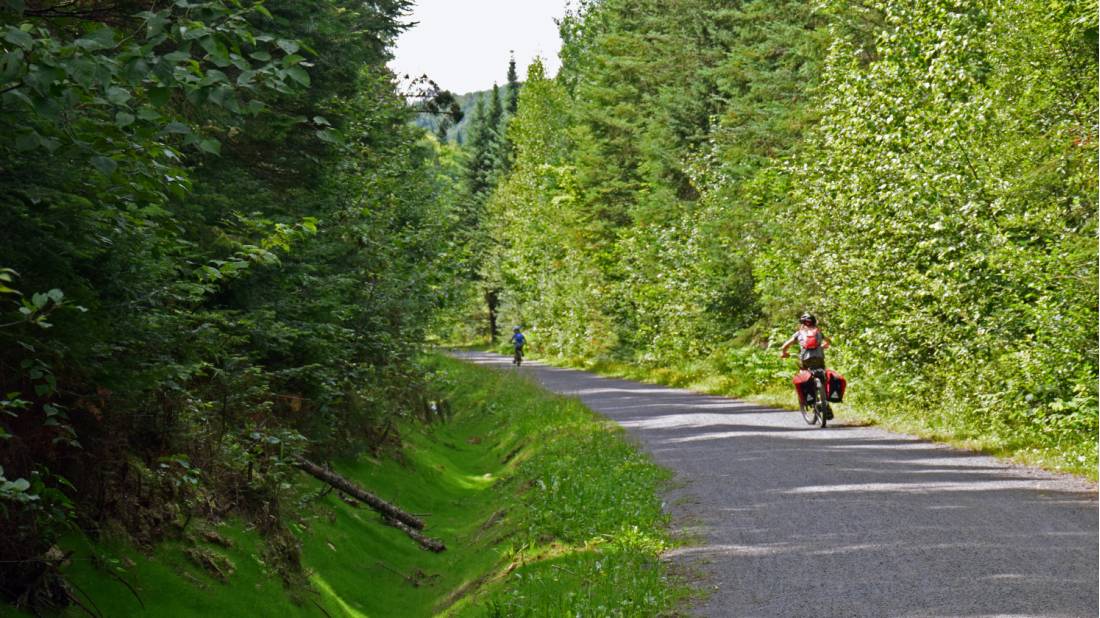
(792, 520)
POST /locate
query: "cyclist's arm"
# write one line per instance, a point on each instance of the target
(787, 345)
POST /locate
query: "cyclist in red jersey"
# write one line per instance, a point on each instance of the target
(811, 341)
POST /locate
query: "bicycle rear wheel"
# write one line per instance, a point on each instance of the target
(809, 412)
(821, 403)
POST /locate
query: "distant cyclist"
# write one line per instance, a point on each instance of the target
(811, 341)
(517, 340)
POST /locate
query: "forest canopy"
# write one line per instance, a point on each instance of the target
(920, 175)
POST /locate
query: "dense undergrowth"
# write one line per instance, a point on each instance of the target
(546, 509)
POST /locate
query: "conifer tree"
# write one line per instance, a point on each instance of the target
(484, 137)
(496, 112)
(513, 86)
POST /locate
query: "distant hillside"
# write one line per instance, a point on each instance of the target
(467, 101)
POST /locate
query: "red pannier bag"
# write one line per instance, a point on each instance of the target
(802, 382)
(835, 385)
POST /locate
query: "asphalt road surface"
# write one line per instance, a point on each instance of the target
(792, 520)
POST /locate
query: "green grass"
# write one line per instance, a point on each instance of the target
(167, 582)
(546, 509)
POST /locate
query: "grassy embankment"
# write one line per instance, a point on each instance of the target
(761, 376)
(544, 507)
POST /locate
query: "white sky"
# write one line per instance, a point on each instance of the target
(463, 45)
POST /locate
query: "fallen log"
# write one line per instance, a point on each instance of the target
(385, 508)
(428, 543)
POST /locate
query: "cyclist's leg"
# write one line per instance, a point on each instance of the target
(811, 364)
(804, 388)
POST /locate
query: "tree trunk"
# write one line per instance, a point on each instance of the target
(371, 500)
(426, 542)
(492, 301)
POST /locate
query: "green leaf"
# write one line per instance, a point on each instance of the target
(299, 75)
(245, 78)
(190, 34)
(177, 128)
(124, 119)
(11, 65)
(177, 56)
(101, 38)
(136, 70)
(105, 165)
(211, 146)
(148, 113)
(261, 55)
(219, 53)
(155, 23)
(240, 62)
(81, 70)
(288, 46)
(331, 136)
(214, 76)
(118, 96)
(221, 96)
(18, 37)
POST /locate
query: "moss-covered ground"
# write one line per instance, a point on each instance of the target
(546, 509)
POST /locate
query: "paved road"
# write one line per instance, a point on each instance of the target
(850, 521)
